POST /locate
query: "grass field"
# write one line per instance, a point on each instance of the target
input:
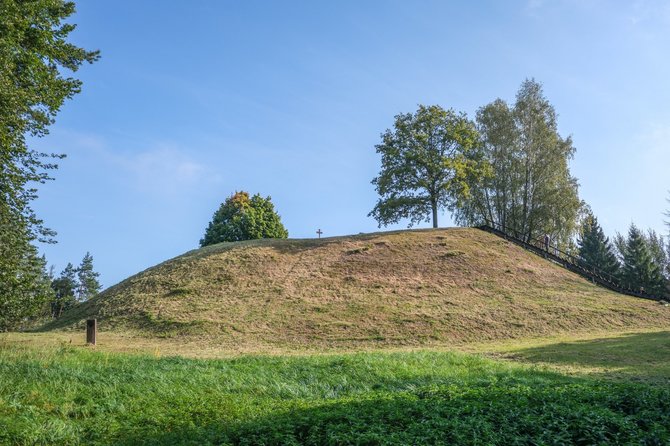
(599, 391)
(451, 337)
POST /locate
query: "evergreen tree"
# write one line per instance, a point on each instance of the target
(659, 251)
(242, 217)
(595, 250)
(65, 287)
(657, 247)
(640, 270)
(87, 284)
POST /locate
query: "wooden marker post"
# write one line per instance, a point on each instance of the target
(91, 329)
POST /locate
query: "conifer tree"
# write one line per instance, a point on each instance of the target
(595, 250)
(657, 247)
(87, 284)
(65, 287)
(427, 161)
(640, 270)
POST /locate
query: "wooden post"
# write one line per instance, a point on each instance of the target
(91, 328)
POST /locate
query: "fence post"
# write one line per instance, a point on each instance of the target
(91, 329)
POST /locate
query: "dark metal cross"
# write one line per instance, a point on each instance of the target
(319, 232)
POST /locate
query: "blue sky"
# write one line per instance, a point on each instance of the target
(194, 100)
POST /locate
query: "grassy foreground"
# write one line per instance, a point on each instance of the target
(75, 396)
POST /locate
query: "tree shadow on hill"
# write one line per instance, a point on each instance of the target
(493, 412)
(645, 355)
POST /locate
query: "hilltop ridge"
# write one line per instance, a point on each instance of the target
(400, 288)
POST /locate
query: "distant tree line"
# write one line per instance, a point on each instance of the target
(508, 168)
(638, 260)
(73, 285)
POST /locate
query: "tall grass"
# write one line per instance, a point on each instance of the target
(78, 396)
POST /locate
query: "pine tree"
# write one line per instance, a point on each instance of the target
(64, 288)
(656, 244)
(595, 250)
(88, 285)
(657, 247)
(640, 270)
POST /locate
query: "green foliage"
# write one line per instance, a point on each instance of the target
(640, 269)
(531, 190)
(667, 222)
(428, 162)
(243, 218)
(35, 57)
(74, 285)
(594, 248)
(64, 287)
(88, 285)
(74, 396)
(24, 284)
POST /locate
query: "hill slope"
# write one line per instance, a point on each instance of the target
(426, 287)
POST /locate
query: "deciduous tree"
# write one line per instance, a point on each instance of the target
(531, 191)
(36, 60)
(428, 161)
(242, 217)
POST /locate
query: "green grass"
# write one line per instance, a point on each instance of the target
(75, 396)
(636, 356)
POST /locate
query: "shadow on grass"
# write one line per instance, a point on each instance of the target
(579, 412)
(645, 355)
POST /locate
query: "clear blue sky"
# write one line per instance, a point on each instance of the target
(194, 100)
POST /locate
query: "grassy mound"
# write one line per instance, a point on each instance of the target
(405, 288)
(78, 396)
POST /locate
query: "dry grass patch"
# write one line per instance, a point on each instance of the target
(395, 289)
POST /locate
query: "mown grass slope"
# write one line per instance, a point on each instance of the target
(404, 288)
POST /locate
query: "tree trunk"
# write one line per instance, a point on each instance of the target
(433, 205)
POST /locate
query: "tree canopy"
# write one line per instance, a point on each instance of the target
(640, 270)
(74, 285)
(428, 161)
(35, 57)
(595, 250)
(87, 278)
(242, 217)
(531, 190)
(65, 288)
